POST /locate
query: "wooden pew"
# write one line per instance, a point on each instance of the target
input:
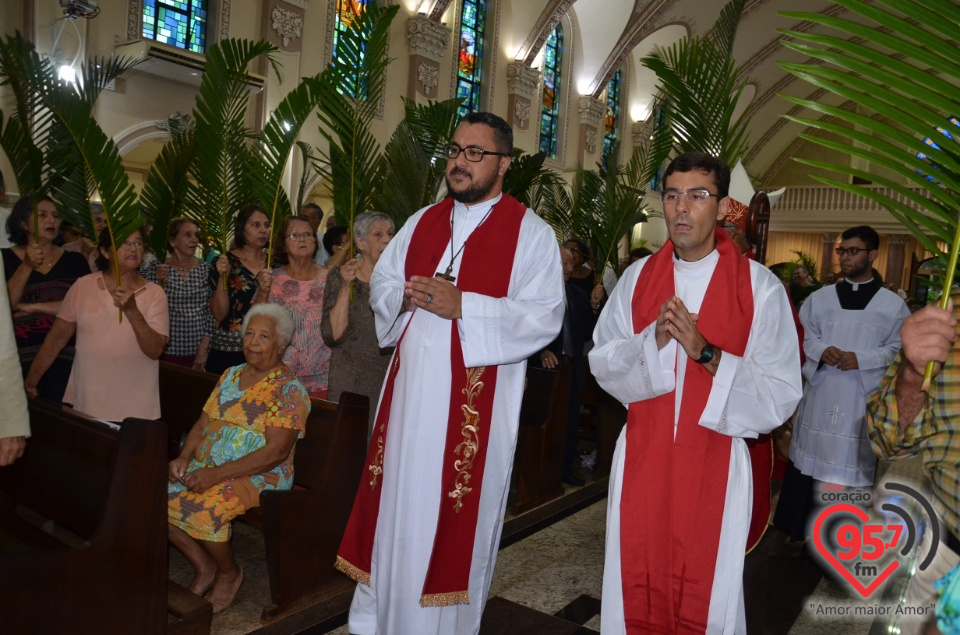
(538, 463)
(302, 527)
(83, 530)
(608, 416)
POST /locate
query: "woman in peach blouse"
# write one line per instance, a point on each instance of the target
(115, 373)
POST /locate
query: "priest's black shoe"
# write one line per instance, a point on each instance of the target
(576, 481)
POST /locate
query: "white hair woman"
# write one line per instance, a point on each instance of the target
(241, 445)
(358, 364)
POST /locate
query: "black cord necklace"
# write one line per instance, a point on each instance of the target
(446, 275)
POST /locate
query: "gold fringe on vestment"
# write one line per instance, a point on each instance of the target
(355, 573)
(445, 599)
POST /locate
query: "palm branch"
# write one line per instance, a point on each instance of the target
(900, 70)
(527, 177)
(701, 71)
(352, 86)
(308, 159)
(269, 156)
(220, 186)
(165, 188)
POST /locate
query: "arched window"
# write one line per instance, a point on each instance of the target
(550, 105)
(180, 23)
(470, 60)
(347, 12)
(611, 122)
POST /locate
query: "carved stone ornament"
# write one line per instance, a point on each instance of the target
(427, 38)
(428, 76)
(522, 80)
(590, 140)
(164, 124)
(642, 131)
(298, 3)
(592, 111)
(287, 24)
(522, 113)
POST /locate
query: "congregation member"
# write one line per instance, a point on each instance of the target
(115, 373)
(336, 242)
(313, 214)
(903, 421)
(14, 418)
(38, 275)
(357, 363)
(579, 318)
(698, 342)
(298, 285)
(242, 444)
(582, 276)
(851, 335)
(184, 278)
(423, 534)
(233, 294)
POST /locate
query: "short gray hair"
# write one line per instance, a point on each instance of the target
(363, 222)
(280, 316)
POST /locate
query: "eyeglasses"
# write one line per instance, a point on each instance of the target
(472, 154)
(301, 236)
(695, 198)
(853, 251)
(133, 244)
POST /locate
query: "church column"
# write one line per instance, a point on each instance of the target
(829, 244)
(641, 132)
(523, 84)
(427, 43)
(592, 112)
(896, 247)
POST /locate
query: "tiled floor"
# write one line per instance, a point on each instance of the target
(554, 567)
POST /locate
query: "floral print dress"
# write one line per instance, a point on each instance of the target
(238, 421)
(308, 356)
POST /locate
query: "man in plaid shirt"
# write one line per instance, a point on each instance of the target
(903, 421)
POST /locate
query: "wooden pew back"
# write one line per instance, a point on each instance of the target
(106, 485)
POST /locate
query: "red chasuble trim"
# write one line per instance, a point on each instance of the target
(471, 404)
(671, 508)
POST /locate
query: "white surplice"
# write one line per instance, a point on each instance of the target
(493, 331)
(829, 437)
(751, 395)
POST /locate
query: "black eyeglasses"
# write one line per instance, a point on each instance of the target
(472, 154)
(853, 251)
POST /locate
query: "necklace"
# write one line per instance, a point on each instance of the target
(446, 274)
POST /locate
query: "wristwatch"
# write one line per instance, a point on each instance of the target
(706, 354)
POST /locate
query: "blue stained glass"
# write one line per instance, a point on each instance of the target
(930, 142)
(611, 122)
(347, 12)
(550, 104)
(181, 23)
(470, 58)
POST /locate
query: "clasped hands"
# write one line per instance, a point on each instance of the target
(676, 322)
(436, 295)
(197, 481)
(844, 360)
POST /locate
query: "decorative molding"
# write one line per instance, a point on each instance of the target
(494, 55)
(549, 19)
(641, 131)
(427, 38)
(521, 112)
(898, 239)
(592, 111)
(522, 80)
(164, 124)
(820, 209)
(590, 140)
(300, 4)
(224, 19)
(134, 19)
(428, 77)
(437, 12)
(288, 25)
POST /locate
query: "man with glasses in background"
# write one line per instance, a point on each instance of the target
(466, 291)
(851, 335)
(698, 341)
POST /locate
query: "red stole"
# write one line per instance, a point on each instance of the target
(671, 508)
(471, 405)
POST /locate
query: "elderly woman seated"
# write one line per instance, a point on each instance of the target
(241, 445)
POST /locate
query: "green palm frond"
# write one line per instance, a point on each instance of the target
(433, 123)
(410, 181)
(552, 202)
(526, 175)
(97, 74)
(308, 158)
(165, 188)
(353, 84)
(699, 71)
(268, 158)
(221, 186)
(900, 69)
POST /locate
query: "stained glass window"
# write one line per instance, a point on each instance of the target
(180, 23)
(347, 12)
(472, 18)
(550, 106)
(611, 122)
